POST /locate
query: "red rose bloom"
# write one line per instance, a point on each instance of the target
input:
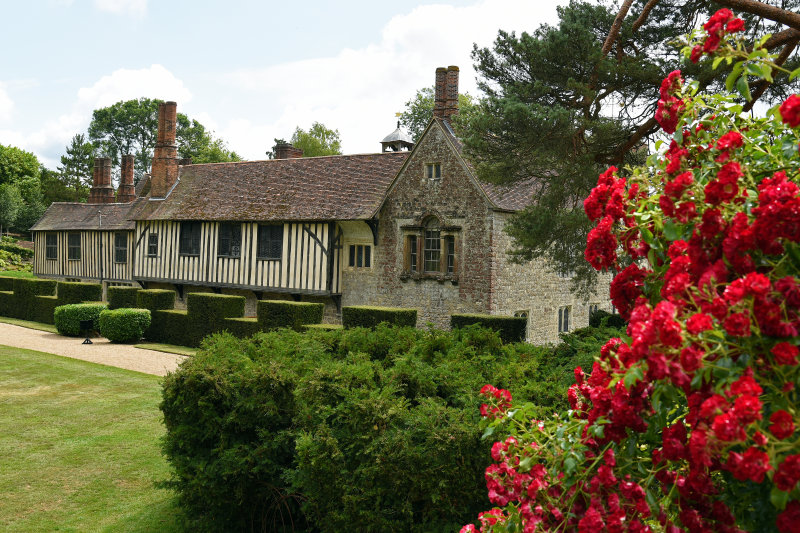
(790, 111)
(782, 424)
(735, 25)
(788, 473)
(698, 323)
(732, 139)
(789, 519)
(785, 353)
(751, 465)
(738, 325)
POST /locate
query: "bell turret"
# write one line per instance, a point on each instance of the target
(397, 141)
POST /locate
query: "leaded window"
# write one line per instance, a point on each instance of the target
(74, 246)
(563, 319)
(360, 256)
(120, 248)
(51, 246)
(432, 252)
(190, 238)
(270, 242)
(230, 240)
(152, 245)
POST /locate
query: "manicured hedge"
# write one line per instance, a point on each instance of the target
(122, 297)
(25, 306)
(6, 303)
(67, 318)
(208, 311)
(242, 327)
(70, 292)
(321, 327)
(43, 309)
(510, 328)
(124, 324)
(274, 314)
(602, 318)
(170, 326)
(6, 283)
(155, 299)
(368, 317)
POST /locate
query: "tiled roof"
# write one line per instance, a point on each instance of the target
(80, 216)
(347, 187)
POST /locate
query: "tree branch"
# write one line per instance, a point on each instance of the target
(646, 129)
(613, 33)
(767, 11)
(644, 14)
(780, 60)
(781, 38)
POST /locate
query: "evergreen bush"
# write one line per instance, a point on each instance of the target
(274, 314)
(362, 316)
(6, 283)
(122, 297)
(242, 327)
(67, 318)
(510, 328)
(6, 303)
(170, 326)
(70, 292)
(25, 289)
(155, 299)
(124, 324)
(43, 308)
(207, 313)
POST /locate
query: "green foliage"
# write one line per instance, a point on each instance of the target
(317, 141)
(207, 314)
(510, 328)
(10, 261)
(6, 283)
(368, 317)
(155, 299)
(77, 165)
(601, 318)
(25, 306)
(170, 326)
(330, 428)
(7, 304)
(69, 292)
(16, 249)
(67, 318)
(321, 327)
(242, 326)
(10, 204)
(121, 297)
(17, 165)
(419, 112)
(124, 324)
(273, 314)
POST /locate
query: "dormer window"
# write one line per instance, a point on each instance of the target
(433, 171)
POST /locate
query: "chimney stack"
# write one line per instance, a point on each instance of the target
(126, 193)
(164, 171)
(440, 89)
(286, 151)
(451, 93)
(102, 192)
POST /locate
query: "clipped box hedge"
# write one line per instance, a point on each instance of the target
(322, 327)
(155, 299)
(601, 318)
(274, 314)
(6, 303)
(122, 297)
(25, 306)
(6, 283)
(70, 292)
(208, 311)
(124, 324)
(510, 328)
(44, 307)
(170, 326)
(67, 318)
(242, 327)
(368, 317)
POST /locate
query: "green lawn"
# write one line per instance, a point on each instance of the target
(16, 273)
(28, 324)
(80, 447)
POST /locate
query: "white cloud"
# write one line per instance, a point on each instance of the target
(6, 105)
(359, 91)
(134, 7)
(123, 84)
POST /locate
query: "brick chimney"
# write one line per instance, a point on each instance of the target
(102, 192)
(440, 89)
(126, 193)
(164, 171)
(451, 93)
(286, 151)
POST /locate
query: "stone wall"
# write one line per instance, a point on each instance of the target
(533, 287)
(461, 209)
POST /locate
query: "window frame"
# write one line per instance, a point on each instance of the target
(51, 247)
(564, 316)
(120, 249)
(268, 246)
(359, 256)
(433, 172)
(73, 250)
(189, 238)
(234, 233)
(152, 245)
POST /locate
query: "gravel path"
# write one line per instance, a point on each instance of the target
(100, 351)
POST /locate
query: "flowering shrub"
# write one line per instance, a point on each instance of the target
(689, 422)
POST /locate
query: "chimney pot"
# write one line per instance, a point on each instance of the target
(286, 151)
(440, 89)
(126, 192)
(164, 171)
(451, 94)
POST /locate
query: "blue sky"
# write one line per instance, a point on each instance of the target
(249, 70)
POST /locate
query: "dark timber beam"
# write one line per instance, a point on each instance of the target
(373, 225)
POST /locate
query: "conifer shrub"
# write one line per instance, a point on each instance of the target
(274, 314)
(600, 319)
(124, 324)
(170, 326)
(67, 318)
(70, 292)
(321, 430)
(207, 314)
(6, 283)
(122, 297)
(510, 328)
(43, 308)
(25, 289)
(6, 303)
(363, 316)
(155, 299)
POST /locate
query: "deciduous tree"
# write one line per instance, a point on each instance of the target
(318, 140)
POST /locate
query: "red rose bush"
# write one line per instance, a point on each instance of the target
(689, 422)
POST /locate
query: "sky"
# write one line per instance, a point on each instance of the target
(249, 70)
